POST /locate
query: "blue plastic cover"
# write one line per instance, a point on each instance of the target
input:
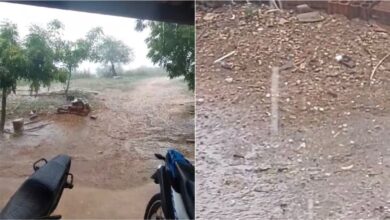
(173, 156)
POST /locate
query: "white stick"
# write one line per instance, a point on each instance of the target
(224, 57)
(271, 10)
(310, 205)
(376, 67)
(274, 101)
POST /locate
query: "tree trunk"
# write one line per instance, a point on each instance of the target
(18, 125)
(113, 69)
(68, 82)
(3, 105)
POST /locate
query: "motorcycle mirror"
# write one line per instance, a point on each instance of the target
(159, 156)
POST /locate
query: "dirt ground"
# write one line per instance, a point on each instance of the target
(112, 156)
(330, 158)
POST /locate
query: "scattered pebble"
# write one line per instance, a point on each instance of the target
(229, 79)
(347, 167)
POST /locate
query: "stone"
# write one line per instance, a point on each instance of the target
(304, 8)
(209, 17)
(283, 21)
(347, 167)
(310, 17)
(200, 100)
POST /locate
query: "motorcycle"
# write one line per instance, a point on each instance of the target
(38, 196)
(176, 197)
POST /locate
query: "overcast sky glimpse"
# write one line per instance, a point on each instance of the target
(77, 24)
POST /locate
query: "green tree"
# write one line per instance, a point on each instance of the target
(12, 64)
(94, 39)
(72, 53)
(54, 33)
(114, 52)
(172, 46)
(41, 56)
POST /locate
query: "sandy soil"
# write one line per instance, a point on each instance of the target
(330, 158)
(112, 157)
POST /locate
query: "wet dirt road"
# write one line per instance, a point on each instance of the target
(112, 157)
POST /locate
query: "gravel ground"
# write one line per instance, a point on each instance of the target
(329, 158)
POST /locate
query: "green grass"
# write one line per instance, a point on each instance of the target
(125, 82)
(23, 83)
(21, 104)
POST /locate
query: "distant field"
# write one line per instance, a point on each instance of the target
(47, 101)
(93, 82)
(123, 83)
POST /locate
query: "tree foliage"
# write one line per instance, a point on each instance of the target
(72, 53)
(172, 46)
(12, 64)
(40, 54)
(113, 52)
(47, 54)
(44, 56)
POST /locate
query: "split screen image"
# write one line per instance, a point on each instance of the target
(271, 109)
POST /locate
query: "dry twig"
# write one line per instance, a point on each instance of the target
(376, 67)
(32, 122)
(36, 127)
(224, 57)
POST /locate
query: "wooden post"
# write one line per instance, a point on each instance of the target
(18, 125)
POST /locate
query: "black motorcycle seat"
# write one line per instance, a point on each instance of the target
(186, 182)
(39, 194)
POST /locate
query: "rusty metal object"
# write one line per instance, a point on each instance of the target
(78, 107)
(356, 9)
(349, 8)
(342, 7)
(364, 9)
(320, 4)
(381, 12)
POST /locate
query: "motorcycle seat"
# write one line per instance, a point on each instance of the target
(186, 183)
(39, 195)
